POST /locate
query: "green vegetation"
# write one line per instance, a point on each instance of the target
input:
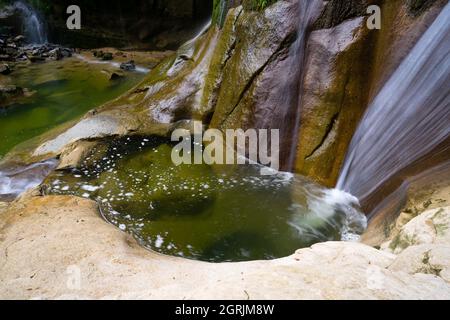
(260, 4)
(220, 8)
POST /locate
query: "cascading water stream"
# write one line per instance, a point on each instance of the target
(286, 96)
(408, 118)
(34, 27)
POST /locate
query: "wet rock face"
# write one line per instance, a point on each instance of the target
(352, 75)
(261, 41)
(333, 99)
(259, 69)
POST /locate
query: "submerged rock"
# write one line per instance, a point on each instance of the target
(105, 56)
(55, 54)
(115, 76)
(9, 94)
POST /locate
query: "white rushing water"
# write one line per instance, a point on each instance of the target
(409, 117)
(201, 32)
(286, 92)
(34, 28)
(15, 181)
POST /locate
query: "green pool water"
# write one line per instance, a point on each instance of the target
(209, 213)
(64, 90)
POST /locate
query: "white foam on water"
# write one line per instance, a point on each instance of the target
(322, 210)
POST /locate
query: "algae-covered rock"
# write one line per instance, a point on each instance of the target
(335, 93)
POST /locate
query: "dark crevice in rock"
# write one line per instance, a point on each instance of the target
(330, 128)
(429, 268)
(417, 7)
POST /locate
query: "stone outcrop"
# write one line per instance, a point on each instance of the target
(72, 253)
(334, 97)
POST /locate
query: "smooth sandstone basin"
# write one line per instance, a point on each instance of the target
(46, 241)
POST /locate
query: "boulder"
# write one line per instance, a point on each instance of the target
(19, 39)
(115, 76)
(128, 66)
(334, 96)
(5, 69)
(107, 56)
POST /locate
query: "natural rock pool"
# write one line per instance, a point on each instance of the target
(211, 213)
(60, 91)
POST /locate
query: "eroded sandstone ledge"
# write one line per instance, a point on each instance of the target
(42, 240)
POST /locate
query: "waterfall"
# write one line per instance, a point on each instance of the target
(17, 179)
(409, 117)
(308, 12)
(33, 26)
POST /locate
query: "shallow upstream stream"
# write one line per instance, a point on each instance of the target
(63, 90)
